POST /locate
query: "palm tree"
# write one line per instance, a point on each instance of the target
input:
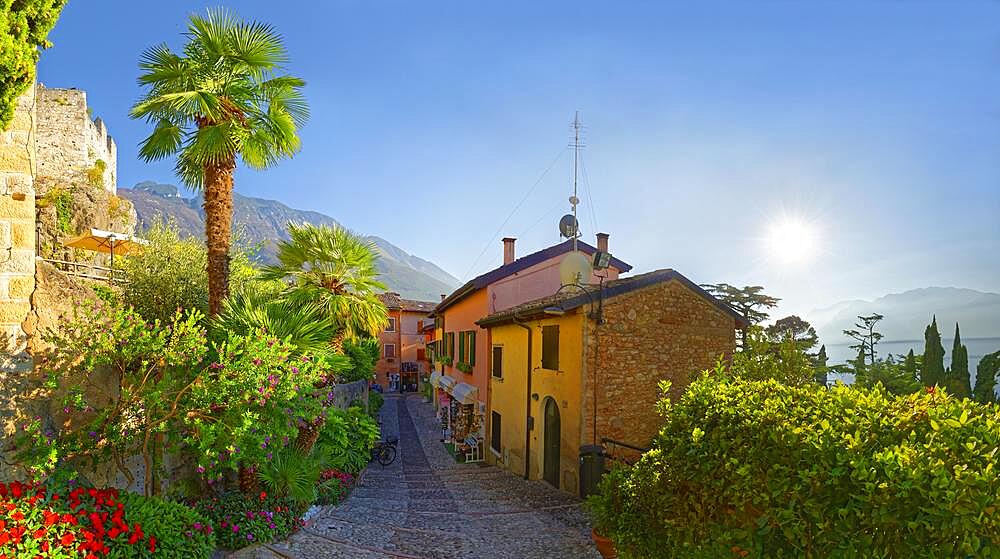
(334, 268)
(224, 97)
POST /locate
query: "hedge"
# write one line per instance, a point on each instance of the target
(762, 469)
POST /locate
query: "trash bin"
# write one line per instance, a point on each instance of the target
(591, 468)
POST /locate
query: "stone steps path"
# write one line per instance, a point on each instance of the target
(426, 506)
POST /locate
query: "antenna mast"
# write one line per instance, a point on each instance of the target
(576, 157)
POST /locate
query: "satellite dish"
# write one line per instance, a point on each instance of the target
(568, 226)
(575, 269)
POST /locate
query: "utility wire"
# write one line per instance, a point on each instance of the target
(511, 214)
(590, 199)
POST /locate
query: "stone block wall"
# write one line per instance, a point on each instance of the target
(662, 332)
(17, 267)
(69, 142)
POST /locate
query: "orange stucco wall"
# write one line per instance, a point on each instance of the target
(460, 317)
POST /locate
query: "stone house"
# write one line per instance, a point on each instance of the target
(462, 381)
(584, 365)
(403, 360)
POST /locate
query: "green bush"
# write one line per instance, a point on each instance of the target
(180, 531)
(764, 469)
(347, 439)
(170, 273)
(364, 354)
(375, 402)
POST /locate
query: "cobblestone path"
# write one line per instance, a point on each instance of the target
(427, 506)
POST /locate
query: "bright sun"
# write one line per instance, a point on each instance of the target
(792, 241)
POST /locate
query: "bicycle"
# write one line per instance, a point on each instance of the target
(384, 452)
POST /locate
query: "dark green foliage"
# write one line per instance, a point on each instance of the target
(957, 377)
(347, 439)
(822, 370)
(364, 354)
(795, 328)
(912, 364)
(375, 403)
(866, 336)
(750, 301)
(24, 26)
(180, 531)
(291, 474)
(890, 374)
(986, 378)
(780, 471)
(933, 367)
(240, 520)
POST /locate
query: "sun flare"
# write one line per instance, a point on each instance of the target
(792, 241)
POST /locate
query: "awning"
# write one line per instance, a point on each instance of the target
(465, 393)
(435, 378)
(446, 383)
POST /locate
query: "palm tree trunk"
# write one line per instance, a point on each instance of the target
(218, 229)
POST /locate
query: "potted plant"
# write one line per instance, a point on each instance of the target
(602, 518)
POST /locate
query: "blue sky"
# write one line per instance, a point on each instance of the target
(875, 126)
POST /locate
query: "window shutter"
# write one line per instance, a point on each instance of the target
(498, 361)
(461, 347)
(495, 432)
(550, 348)
(472, 347)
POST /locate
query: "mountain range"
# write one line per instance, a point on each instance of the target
(908, 313)
(264, 221)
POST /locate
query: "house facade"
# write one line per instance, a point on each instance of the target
(403, 357)
(585, 365)
(461, 380)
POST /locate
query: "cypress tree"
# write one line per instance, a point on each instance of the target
(821, 368)
(933, 368)
(910, 366)
(958, 375)
(986, 378)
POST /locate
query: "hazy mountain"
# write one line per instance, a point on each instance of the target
(265, 220)
(906, 314)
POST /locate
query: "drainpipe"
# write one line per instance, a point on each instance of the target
(527, 421)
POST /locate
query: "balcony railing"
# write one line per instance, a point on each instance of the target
(86, 271)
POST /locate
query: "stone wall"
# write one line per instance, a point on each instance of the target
(17, 262)
(70, 143)
(662, 332)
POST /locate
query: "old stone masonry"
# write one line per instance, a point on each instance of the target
(427, 506)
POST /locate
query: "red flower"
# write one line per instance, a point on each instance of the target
(263, 495)
(67, 539)
(17, 515)
(136, 534)
(152, 544)
(39, 533)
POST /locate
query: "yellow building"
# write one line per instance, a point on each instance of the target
(584, 365)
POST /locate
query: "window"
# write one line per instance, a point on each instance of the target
(392, 325)
(390, 351)
(495, 432)
(550, 347)
(498, 361)
(421, 354)
(449, 344)
(467, 347)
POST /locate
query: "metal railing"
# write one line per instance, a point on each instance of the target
(87, 271)
(613, 451)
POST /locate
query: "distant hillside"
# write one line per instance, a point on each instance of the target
(906, 314)
(265, 220)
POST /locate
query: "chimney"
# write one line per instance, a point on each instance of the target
(443, 296)
(508, 250)
(602, 242)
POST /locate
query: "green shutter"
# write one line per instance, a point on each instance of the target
(461, 347)
(472, 347)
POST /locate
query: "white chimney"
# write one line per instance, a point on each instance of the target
(508, 250)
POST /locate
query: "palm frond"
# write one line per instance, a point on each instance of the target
(256, 45)
(163, 142)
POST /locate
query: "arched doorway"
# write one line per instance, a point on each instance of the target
(552, 441)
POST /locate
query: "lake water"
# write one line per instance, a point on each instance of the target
(978, 347)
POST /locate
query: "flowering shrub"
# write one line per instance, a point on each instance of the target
(251, 403)
(764, 469)
(241, 520)
(88, 523)
(231, 403)
(333, 486)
